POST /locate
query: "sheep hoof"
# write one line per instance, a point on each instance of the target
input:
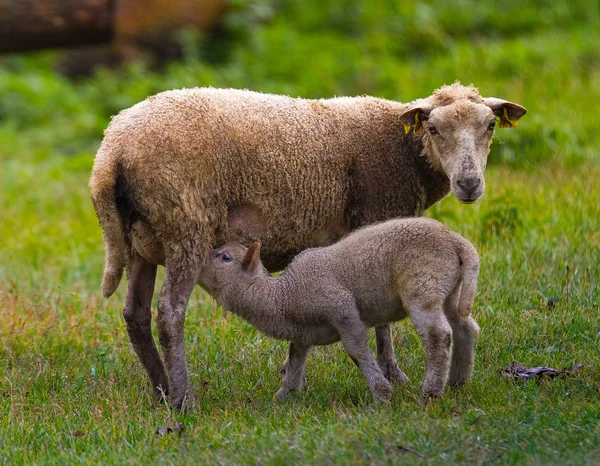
(458, 383)
(432, 392)
(393, 373)
(458, 377)
(382, 392)
(185, 403)
(161, 394)
(380, 400)
(281, 394)
(301, 386)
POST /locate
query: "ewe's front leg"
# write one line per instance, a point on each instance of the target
(386, 357)
(172, 303)
(138, 316)
(294, 370)
(431, 323)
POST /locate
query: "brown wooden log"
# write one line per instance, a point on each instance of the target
(136, 18)
(144, 28)
(35, 24)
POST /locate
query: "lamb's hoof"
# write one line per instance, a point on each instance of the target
(432, 391)
(457, 383)
(393, 373)
(382, 392)
(281, 394)
(184, 403)
(302, 385)
(460, 378)
(161, 394)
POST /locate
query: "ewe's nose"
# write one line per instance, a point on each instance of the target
(469, 183)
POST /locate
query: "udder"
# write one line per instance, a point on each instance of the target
(335, 229)
(246, 223)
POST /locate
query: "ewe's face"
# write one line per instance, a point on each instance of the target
(457, 136)
(457, 139)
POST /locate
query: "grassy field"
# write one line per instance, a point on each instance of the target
(71, 388)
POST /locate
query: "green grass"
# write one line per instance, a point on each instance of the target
(71, 388)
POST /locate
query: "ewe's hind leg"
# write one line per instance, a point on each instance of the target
(294, 370)
(353, 334)
(172, 302)
(464, 332)
(138, 316)
(386, 357)
(431, 323)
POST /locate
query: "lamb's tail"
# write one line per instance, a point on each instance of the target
(469, 271)
(103, 186)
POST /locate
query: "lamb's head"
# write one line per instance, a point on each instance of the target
(232, 266)
(458, 125)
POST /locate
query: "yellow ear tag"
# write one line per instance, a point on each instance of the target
(506, 122)
(418, 124)
(406, 129)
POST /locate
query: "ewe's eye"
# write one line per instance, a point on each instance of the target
(432, 130)
(492, 125)
(227, 258)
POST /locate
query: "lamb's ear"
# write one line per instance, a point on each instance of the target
(508, 112)
(413, 118)
(252, 257)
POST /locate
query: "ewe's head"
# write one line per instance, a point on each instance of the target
(232, 265)
(458, 125)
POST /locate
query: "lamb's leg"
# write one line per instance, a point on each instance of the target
(354, 338)
(294, 370)
(172, 302)
(464, 333)
(283, 370)
(386, 357)
(138, 317)
(431, 323)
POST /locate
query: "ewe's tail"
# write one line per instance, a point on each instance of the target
(469, 270)
(103, 183)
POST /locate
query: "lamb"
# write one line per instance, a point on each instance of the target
(374, 276)
(187, 170)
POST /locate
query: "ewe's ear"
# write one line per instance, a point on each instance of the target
(252, 257)
(508, 112)
(413, 118)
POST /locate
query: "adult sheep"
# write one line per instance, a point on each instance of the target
(186, 170)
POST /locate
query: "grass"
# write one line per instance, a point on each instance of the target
(71, 388)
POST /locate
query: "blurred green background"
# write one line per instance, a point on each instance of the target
(541, 54)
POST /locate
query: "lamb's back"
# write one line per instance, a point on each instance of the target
(374, 261)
